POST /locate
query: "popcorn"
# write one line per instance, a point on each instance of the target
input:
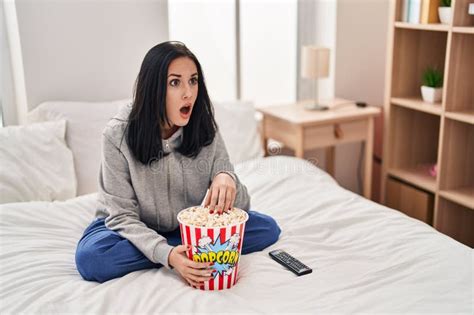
(215, 238)
(200, 216)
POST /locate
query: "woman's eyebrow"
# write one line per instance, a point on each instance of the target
(179, 75)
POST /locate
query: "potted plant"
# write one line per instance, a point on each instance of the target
(432, 89)
(444, 11)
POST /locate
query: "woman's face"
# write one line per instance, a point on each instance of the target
(181, 91)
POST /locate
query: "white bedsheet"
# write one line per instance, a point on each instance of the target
(365, 258)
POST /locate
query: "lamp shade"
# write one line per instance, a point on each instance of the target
(314, 62)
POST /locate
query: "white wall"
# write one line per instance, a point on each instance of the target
(267, 46)
(356, 32)
(317, 26)
(86, 50)
(207, 27)
(7, 96)
(268, 51)
(326, 33)
(361, 49)
(360, 68)
(91, 50)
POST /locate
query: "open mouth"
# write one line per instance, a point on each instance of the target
(185, 109)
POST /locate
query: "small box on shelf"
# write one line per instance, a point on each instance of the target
(462, 15)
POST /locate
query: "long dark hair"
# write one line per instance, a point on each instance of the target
(149, 107)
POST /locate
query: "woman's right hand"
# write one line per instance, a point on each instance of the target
(194, 273)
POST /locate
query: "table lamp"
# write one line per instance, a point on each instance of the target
(314, 65)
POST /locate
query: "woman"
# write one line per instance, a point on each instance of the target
(160, 155)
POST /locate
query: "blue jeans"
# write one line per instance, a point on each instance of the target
(102, 254)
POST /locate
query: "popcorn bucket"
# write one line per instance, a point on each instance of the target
(221, 245)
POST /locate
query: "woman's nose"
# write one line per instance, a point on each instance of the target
(187, 91)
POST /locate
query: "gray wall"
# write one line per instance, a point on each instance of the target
(356, 32)
(316, 26)
(81, 50)
(360, 68)
(92, 50)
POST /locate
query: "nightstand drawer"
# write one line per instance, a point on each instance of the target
(335, 133)
(301, 129)
(281, 130)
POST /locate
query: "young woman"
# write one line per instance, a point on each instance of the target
(160, 155)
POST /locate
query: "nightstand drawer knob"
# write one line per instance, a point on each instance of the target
(338, 133)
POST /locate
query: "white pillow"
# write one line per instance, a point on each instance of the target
(36, 164)
(238, 127)
(85, 123)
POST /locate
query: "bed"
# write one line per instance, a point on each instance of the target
(366, 258)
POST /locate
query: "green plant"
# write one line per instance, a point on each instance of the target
(445, 3)
(433, 77)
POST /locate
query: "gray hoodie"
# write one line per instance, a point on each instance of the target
(140, 201)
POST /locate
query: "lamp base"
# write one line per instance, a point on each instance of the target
(333, 104)
(315, 106)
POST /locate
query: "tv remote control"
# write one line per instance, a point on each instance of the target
(290, 262)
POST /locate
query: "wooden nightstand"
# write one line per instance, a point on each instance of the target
(302, 130)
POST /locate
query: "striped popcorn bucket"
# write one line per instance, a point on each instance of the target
(221, 245)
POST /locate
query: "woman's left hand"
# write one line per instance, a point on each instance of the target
(221, 194)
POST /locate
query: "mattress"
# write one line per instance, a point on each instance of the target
(365, 257)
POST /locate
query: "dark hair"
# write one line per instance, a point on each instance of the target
(149, 107)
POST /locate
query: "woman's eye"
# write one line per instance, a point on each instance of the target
(194, 81)
(174, 82)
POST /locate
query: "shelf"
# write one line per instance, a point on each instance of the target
(413, 52)
(460, 15)
(438, 27)
(413, 144)
(460, 92)
(419, 134)
(463, 196)
(463, 29)
(457, 166)
(466, 116)
(417, 103)
(415, 177)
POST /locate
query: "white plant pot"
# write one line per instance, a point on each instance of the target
(445, 14)
(431, 95)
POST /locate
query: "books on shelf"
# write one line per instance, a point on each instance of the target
(405, 7)
(414, 11)
(420, 11)
(429, 11)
